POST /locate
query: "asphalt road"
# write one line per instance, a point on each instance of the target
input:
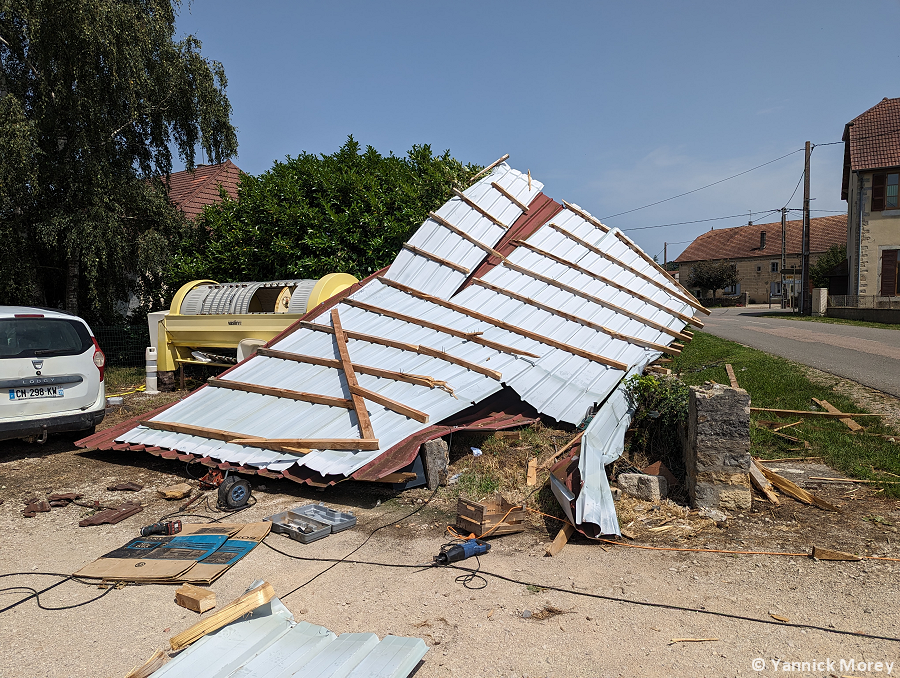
(867, 355)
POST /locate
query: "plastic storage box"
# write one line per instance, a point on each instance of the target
(310, 522)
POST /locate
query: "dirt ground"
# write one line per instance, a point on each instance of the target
(648, 597)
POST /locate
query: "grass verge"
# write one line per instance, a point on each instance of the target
(778, 383)
(831, 321)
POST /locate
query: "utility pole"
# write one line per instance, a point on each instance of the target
(805, 301)
(783, 255)
(665, 254)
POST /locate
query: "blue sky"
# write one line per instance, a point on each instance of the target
(611, 105)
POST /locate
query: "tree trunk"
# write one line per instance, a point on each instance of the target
(72, 282)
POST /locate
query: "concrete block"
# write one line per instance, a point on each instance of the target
(648, 488)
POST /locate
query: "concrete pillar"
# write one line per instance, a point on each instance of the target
(717, 447)
(436, 456)
(820, 301)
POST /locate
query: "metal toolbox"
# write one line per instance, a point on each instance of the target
(310, 522)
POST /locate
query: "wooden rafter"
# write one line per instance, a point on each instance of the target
(653, 281)
(390, 404)
(412, 348)
(465, 236)
(417, 379)
(475, 206)
(282, 393)
(487, 169)
(606, 281)
(534, 336)
(509, 196)
(359, 404)
(468, 336)
(632, 246)
(576, 319)
(435, 258)
(596, 300)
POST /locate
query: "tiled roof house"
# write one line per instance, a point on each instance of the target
(755, 250)
(871, 187)
(192, 191)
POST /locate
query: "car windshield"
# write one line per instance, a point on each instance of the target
(42, 337)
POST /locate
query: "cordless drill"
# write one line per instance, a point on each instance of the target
(456, 552)
(173, 527)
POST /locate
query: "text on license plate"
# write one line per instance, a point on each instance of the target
(30, 393)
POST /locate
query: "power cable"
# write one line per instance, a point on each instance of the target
(695, 221)
(37, 594)
(715, 183)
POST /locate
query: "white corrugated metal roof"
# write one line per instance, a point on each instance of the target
(558, 381)
(270, 644)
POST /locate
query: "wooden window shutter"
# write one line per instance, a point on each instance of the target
(877, 192)
(889, 273)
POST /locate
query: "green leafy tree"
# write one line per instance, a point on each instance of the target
(710, 276)
(94, 97)
(348, 212)
(834, 256)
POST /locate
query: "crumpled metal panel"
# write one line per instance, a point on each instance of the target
(434, 278)
(270, 644)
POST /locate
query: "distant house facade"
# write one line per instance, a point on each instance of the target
(871, 187)
(192, 191)
(755, 251)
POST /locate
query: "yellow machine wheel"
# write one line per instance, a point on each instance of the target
(327, 287)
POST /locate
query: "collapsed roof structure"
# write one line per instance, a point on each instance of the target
(500, 291)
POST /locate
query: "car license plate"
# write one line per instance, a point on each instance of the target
(33, 393)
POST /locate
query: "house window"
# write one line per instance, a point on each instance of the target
(759, 269)
(773, 267)
(776, 288)
(733, 289)
(889, 273)
(885, 191)
(762, 240)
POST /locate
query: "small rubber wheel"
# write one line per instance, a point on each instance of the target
(234, 494)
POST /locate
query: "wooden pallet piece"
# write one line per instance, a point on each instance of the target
(491, 517)
(194, 598)
(731, 376)
(793, 490)
(562, 538)
(761, 483)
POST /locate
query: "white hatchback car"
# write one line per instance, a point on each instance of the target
(51, 374)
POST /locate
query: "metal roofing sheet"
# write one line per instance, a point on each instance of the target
(418, 271)
(558, 382)
(270, 644)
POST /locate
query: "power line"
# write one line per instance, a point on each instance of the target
(680, 195)
(696, 221)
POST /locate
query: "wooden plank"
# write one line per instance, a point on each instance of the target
(653, 281)
(359, 405)
(474, 367)
(804, 413)
(281, 393)
(487, 169)
(468, 336)
(360, 336)
(596, 300)
(549, 461)
(531, 473)
(311, 443)
(575, 319)
(731, 376)
(828, 554)
(399, 477)
(562, 538)
(475, 206)
(465, 236)
(793, 490)
(761, 483)
(413, 348)
(847, 421)
(200, 431)
(509, 196)
(195, 598)
(418, 379)
(392, 405)
(435, 258)
(574, 350)
(606, 281)
(231, 612)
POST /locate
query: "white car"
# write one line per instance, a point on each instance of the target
(51, 374)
